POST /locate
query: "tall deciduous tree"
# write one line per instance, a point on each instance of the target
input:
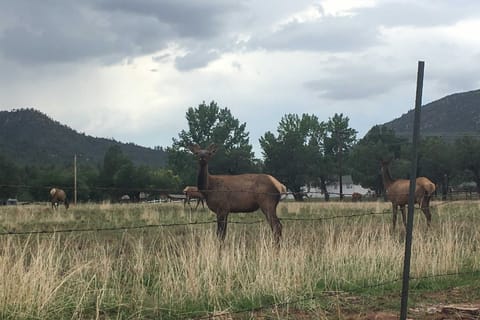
(380, 143)
(437, 162)
(115, 173)
(468, 155)
(340, 140)
(211, 124)
(295, 156)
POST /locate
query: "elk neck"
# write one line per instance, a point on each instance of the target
(202, 179)
(387, 177)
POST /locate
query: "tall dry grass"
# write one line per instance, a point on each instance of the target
(182, 271)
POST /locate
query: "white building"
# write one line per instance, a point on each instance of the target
(348, 188)
(333, 188)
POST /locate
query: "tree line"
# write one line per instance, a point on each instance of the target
(303, 152)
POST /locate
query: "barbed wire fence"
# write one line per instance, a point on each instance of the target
(259, 308)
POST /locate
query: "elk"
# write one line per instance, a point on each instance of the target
(356, 197)
(58, 196)
(238, 193)
(398, 193)
(191, 192)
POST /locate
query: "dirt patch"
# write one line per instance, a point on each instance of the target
(452, 304)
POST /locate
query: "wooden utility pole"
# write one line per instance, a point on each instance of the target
(75, 179)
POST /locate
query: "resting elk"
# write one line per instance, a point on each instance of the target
(238, 193)
(191, 192)
(398, 191)
(58, 196)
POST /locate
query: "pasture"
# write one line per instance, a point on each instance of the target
(163, 261)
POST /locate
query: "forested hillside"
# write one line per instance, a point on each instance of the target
(30, 137)
(450, 117)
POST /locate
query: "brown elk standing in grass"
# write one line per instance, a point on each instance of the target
(191, 192)
(238, 193)
(398, 192)
(58, 196)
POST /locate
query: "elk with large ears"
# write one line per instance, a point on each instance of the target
(238, 193)
(398, 192)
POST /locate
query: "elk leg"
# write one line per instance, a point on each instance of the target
(404, 217)
(394, 216)
(275, 224)
(198, 202)
(222, 225)
(426, 209)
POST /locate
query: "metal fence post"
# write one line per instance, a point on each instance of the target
(411, 199)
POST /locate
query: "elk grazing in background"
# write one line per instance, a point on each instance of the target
(191, 192)
(238, 193)
(398, 192)
(58, 196)
(356, 197)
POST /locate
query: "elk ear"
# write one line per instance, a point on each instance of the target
(195, 148)
(212, 148)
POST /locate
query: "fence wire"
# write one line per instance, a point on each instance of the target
(161, 225)
(276, 305)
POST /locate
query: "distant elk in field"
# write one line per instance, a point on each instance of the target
(300, 195)
(356, 197)
(191, 192)
(398, 193)
(58, 196)
(238, 193)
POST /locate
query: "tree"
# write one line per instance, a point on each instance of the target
(87, 183)
(211, 124)
(44, 178)
(380, 143)
(165, 181)
(10, 179)
(124, 181)
(339, 141)
(115, 172)
(467, 150)
(436, 161)
(295, 156)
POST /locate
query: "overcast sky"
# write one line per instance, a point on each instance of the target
(129, 69)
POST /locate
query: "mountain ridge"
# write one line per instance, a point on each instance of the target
(452, 116)
(29, 137)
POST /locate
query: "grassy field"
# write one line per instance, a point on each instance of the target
(334, 259)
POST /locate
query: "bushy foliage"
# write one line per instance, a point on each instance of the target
(208, 123)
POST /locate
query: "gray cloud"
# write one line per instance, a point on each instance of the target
(331, 34)
(195, 60)
(200, 19)
(361, 29)
(107, 30)
(56, 31)
(361, 78)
